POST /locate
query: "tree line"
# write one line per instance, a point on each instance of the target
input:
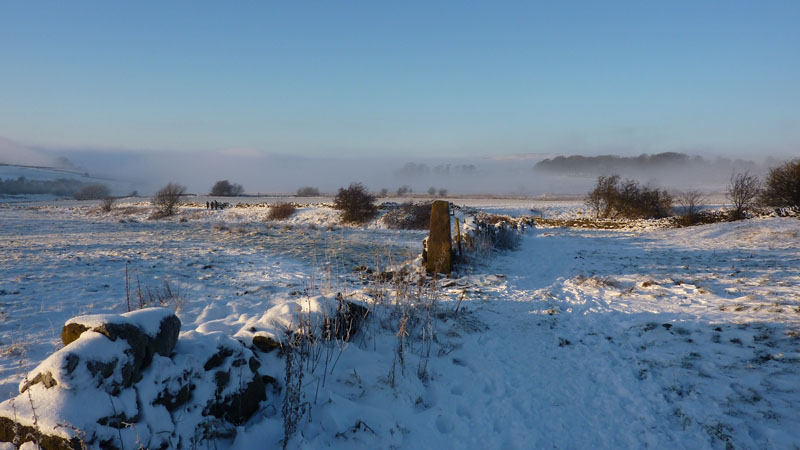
(613, 197)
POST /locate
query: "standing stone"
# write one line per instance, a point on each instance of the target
(439, 247)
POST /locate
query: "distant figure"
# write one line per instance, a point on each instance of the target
(208, 205)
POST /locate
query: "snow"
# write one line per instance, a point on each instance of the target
(642, 337)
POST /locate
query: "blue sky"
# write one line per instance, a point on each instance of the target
(403, 78)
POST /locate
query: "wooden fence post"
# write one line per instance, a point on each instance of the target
(439, 254)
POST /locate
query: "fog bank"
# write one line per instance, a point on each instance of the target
(266, 173)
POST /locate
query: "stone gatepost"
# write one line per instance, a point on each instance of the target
(439, 257)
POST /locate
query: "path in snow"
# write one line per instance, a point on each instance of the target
(570, 361)
(524, 386)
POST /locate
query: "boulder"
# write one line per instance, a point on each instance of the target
(265, 343)
(233, 371)
(159, 326)
(147, 331)
(72, 418)
(237, 407)
(9, 430)
(71, 332)
(89, 393)
(91, 362)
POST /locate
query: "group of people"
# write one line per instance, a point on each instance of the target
(214, 205)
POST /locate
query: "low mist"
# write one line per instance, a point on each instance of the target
(14, 153)
(284, 174)
(515, 175)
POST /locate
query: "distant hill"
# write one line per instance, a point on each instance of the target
(523, 157)
(19, 180)
(644, 163)
(40, 172)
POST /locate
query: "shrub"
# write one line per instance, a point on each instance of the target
(308, 191)
(404, 189)
(384, 192)
(225, 188)
(356, 203)
(107, 204)
(691, 203)
(782, 186)
(649, 202)
(167, 198)
(442, 192)
(743, 191)
(408, 216)
(92, 192)
(431, 191)
(614, 199)
(281, 211)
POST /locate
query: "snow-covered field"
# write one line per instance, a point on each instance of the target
(666, 338)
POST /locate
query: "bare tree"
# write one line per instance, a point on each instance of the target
(107, 204)
(691, 202)
(742, 192)
(431, 191)
(604, 197)
(442, 192)
(167, 198)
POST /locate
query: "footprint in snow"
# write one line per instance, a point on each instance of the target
(459, 362)
(521, 408)
(444, 424)
(464, 412)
